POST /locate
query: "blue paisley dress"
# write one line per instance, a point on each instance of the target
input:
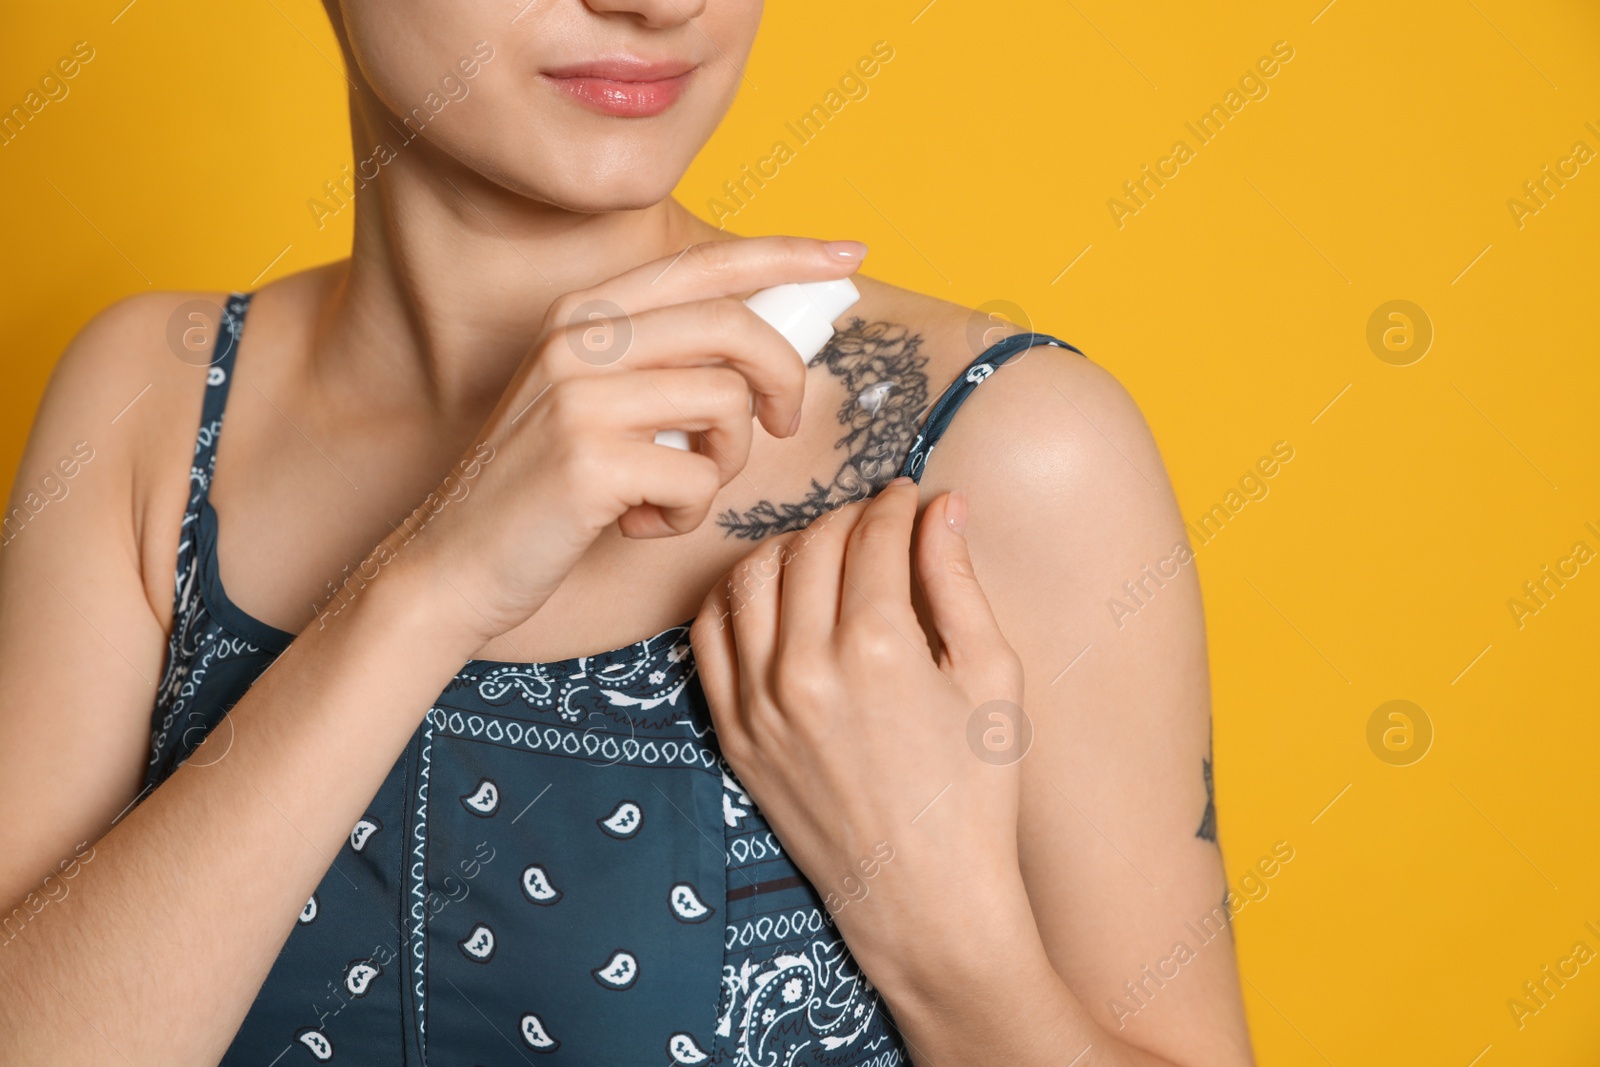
(561, 868)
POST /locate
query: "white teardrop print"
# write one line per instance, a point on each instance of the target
(620, 972)
(317, 1042)
(484, 801)
(358, 976)
(735, 801)
(683, 1049)
(625, 821)
(537, 888)
(687, 905)
(363, 832)
(309, 912)
(479, 945)
(534, 1033)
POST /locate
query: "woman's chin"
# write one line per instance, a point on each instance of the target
(601, 197)
(588, 192)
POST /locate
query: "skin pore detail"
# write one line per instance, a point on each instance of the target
(885, 381)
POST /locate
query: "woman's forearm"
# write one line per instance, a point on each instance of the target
(174, 926)
(977, 988)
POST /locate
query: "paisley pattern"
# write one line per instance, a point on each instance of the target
(560, 867)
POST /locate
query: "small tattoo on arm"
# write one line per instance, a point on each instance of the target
(886, 389)
(1208, 821)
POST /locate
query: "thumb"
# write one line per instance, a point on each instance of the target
(974, 652)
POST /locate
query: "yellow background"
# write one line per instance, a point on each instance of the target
(1234, 306)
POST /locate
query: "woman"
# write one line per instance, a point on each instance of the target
(816, 827)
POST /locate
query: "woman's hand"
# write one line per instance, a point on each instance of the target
(887, 769)
(570, 448)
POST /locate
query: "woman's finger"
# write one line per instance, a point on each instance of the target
(754, 596)
(666, 492)
(730, 267)
(877, 562)
(710, 401)
(716, 658)
(721, 332)
(973, 647)
(812, 576)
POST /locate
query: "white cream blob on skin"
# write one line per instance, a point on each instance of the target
(803, 312)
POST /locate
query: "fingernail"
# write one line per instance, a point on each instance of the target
(849, 251)
(955, 511)
(901, 480)
(794, 423)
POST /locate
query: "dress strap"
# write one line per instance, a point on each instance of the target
(944, 409)
(188, 608)
(219, 376)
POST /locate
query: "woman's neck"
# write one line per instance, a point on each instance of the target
(450, 275)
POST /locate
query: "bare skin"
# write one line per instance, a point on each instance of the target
(359, 384)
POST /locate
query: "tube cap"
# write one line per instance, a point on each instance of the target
(804, 311)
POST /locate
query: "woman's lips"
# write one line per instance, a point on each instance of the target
(626, 87)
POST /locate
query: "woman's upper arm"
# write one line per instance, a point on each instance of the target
(81, 649)
(1079, 544)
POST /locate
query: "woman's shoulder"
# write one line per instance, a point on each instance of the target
(148, 356)
(1051, 440)
(125, 377)
(130, 389)
(171, 333)
(1046, 408)
(137, 337)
